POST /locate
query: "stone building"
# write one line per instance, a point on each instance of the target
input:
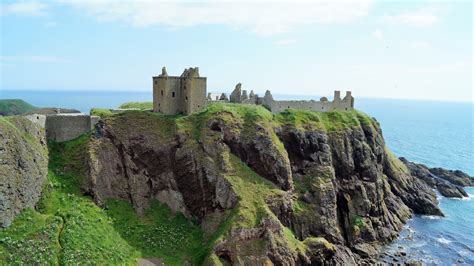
(323, 105)
(179, 95)
(64, 126)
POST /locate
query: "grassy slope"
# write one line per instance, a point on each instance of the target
(15, 107)
(139, 105)
(69, 227)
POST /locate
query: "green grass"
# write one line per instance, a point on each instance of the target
(139, 105)
(327, 121)
(15, 107)
(102, 112)
(31, 239)
(160, 233)
(252, 191)
(68, 228)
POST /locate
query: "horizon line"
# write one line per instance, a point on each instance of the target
(277, 94)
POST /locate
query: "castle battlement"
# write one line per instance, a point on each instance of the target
(239, 95)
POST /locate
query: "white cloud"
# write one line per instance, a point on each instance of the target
(420, 18)
(33, 59)
(30, 8)
(419, 44)
(378, 34)
(284, 42)
(262, 17)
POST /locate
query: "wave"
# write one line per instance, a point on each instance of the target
(431, 217)
(443, 240)
(468, 198)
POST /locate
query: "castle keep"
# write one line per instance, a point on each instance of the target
(179, 95)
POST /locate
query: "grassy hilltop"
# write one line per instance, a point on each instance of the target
(15, 107)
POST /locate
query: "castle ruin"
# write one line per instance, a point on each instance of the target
(275, 106)
(185, 94)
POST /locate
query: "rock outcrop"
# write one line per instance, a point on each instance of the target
(449, 183)
(23, 166)
(294, 188)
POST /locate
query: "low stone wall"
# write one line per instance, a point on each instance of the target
(37, 119)
(94, 121)
(279, 106)
(67, 127)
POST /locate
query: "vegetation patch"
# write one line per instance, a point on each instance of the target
(102, 112)
(329, 121)
(253, 191)
(68, 228)
(160, 233)
(31, 239)
(138, 105)
(15, 107)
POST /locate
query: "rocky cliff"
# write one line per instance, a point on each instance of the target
(23, 166)
(292, 188)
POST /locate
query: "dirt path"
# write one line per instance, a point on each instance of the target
(150, 262)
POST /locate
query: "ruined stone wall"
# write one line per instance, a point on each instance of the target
(167, 95)
(94, 120)
(66, 127)
(194, 95)
(279, 106)
(37, 119)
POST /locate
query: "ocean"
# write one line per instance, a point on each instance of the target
(438, 134)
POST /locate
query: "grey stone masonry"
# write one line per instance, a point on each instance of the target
(239, 95)
(185, 94)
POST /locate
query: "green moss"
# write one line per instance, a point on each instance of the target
(156, 126)
(328, 121)
(15, 107)
(138, 105)
(294, 243)
(252, 191)
(359, 221)
(102, 112)
(319, 241)
(396, 164)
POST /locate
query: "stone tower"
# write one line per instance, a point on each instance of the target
(185, 94)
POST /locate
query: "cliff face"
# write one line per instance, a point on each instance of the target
(293, 188)
(23, 166)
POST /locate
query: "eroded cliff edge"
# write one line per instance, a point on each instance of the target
(298, 187)
(23, 166)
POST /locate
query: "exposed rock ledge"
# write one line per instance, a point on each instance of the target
(449, 183)
(23, 166)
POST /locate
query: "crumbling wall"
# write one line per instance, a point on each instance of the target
(66, 127)
(279, 106)
(37, 119)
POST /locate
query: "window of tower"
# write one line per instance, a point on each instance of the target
(172, 94)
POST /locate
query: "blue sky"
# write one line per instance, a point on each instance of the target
(405, 49)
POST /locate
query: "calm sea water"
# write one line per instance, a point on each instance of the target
(434, 133)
